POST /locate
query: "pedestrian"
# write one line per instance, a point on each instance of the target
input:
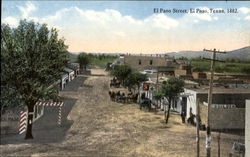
(183, 115)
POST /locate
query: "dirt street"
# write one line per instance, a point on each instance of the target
(95, 126)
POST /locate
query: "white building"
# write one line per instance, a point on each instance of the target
(228, 105)
(71, 73)
(64, 80)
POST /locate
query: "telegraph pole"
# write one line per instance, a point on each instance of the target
(197, 128)
(210, 96)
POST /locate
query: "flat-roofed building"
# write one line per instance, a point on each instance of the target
(227, 108)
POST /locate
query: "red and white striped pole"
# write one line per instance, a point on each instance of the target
(60, 113)
(23, 122)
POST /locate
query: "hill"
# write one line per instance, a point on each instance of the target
(238, 54)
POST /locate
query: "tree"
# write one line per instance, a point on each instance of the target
(32, 58)
(83, 60)
(121, 72)
(135, 78)
(171, 89)
(158, 95)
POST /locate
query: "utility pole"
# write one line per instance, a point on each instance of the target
(198, 127)
(210, 96)
(218, 138)
(157, 79)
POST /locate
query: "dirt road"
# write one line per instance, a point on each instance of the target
(95, 126)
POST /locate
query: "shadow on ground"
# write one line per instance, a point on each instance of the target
(46, 129)
(98, 75)
(75, 84)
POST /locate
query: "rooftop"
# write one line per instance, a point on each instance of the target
(220, 89)
(68, 70)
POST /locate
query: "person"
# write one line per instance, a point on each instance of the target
(183, 115)
(191, 118)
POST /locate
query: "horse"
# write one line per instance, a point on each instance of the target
(133, 98)
(145, 103)
(112, 95)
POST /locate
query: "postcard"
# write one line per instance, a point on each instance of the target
(125, 78)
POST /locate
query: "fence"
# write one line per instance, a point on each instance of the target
(10, 120)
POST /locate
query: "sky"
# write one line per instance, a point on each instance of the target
(134, 27)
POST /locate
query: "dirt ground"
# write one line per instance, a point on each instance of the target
(95, 126)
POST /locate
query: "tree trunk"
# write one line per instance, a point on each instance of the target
(29, 125)
(167, 113)
(139, 93)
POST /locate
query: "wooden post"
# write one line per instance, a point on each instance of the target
(218, 137)
(157, 79)
(197, 128)
(210, 95)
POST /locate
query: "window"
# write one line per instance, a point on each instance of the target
(139, 62)
(151, 62)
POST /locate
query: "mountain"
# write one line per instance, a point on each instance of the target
(238, 54)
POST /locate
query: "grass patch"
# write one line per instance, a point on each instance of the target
(222, 67)
(102, 62)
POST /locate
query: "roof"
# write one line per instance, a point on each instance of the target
(68, 70)
(76, 64)
(219, 90)
(63, 74)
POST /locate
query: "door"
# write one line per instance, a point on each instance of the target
(184, 105)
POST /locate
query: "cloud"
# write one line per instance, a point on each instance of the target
(161, 21)
(27, 9)
(110, 30)
(12, 21)
(119, 34)
(247, 17)
(244, 10)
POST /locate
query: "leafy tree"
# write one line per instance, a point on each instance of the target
(135, 78)
(246, 69)
(170, 90)
(83, 60)
(32, 58)
(121, 72)
(158, 95)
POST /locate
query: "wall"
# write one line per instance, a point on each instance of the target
(247, 128)
(199, 75)
(232, 118)
(133, 61)
(191, 102)
(10, 120)
(179, 72)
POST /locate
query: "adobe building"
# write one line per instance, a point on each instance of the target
(227, 109)
(163, 64)
(141, 63)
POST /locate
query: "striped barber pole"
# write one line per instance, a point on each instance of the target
(23, 122)
(50, 103)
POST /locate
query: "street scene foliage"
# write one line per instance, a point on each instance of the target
(32, 57)
(170, 90)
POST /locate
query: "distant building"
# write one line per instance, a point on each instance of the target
(163, 64)
(199, 75)
(75, 67)
(147, 62)
(64, 79)
(70, 73)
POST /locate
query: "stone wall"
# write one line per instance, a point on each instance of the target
(221, 118)
(231, 118)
